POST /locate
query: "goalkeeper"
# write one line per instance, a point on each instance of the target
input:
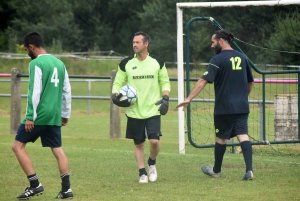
(230, 72)
(149, 76)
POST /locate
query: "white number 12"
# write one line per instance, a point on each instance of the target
(54, 78)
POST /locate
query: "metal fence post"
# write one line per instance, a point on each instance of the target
(15, 101)
(115, 113)
(89, 93)
(261, 123)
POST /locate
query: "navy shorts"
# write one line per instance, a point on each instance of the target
(229, 126)
(50, 135)
(140, 129)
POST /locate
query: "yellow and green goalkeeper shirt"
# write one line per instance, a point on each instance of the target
(149, 77)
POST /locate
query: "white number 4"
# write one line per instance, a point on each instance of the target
(54, 78)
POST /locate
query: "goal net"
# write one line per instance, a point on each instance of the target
(267, 32)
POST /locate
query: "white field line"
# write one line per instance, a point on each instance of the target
(162, 153)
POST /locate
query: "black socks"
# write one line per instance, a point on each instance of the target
(247, 152)
(151, 162)
(220, 151)
(33, 180)
(219, 154)
(65, 182)
(142, 171)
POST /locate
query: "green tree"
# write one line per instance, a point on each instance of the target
(107, 25)
(88, 17)
(285, 39)
(158, 19)
(122, 18)
(54, 19)
(6, 14)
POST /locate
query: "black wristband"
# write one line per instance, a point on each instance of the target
(166, 97)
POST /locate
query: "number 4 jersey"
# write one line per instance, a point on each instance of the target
(230, 72)
(49, 91)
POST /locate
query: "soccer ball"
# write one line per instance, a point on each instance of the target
(128, 93)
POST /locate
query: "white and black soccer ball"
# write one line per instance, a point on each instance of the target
(129, 93)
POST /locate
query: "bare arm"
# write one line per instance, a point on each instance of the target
(201, 83)
(250, 85)
(166, 92)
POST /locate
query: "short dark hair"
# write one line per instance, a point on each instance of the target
(146, 36)
(33, 38)
(225, 35)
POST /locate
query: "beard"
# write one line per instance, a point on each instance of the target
(31, 55)
(218, 48)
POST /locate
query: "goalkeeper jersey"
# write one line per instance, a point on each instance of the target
(149, 77)
(49, 91)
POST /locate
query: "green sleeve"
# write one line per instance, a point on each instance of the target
(164, 79)
(120, 79)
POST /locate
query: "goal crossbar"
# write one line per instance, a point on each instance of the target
(235, 3)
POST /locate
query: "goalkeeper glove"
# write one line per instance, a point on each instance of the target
(116, 100)
(164, 105)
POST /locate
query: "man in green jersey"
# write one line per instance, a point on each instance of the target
(149, 76)
(48, 108)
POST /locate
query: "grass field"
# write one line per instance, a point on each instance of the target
(105, 169)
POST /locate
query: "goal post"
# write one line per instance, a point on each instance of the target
(180, 48)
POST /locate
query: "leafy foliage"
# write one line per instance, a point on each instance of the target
(93, 25)
(53, 19)
(285, 38)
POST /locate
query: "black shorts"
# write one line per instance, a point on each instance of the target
(50, 135)
(139, 129)
(229, 126)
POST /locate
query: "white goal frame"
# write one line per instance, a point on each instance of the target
(180, 56)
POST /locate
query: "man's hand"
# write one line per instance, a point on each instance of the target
(64, 121)
(184, 104)
(116, 100)
(29, 125)
(164, 105)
